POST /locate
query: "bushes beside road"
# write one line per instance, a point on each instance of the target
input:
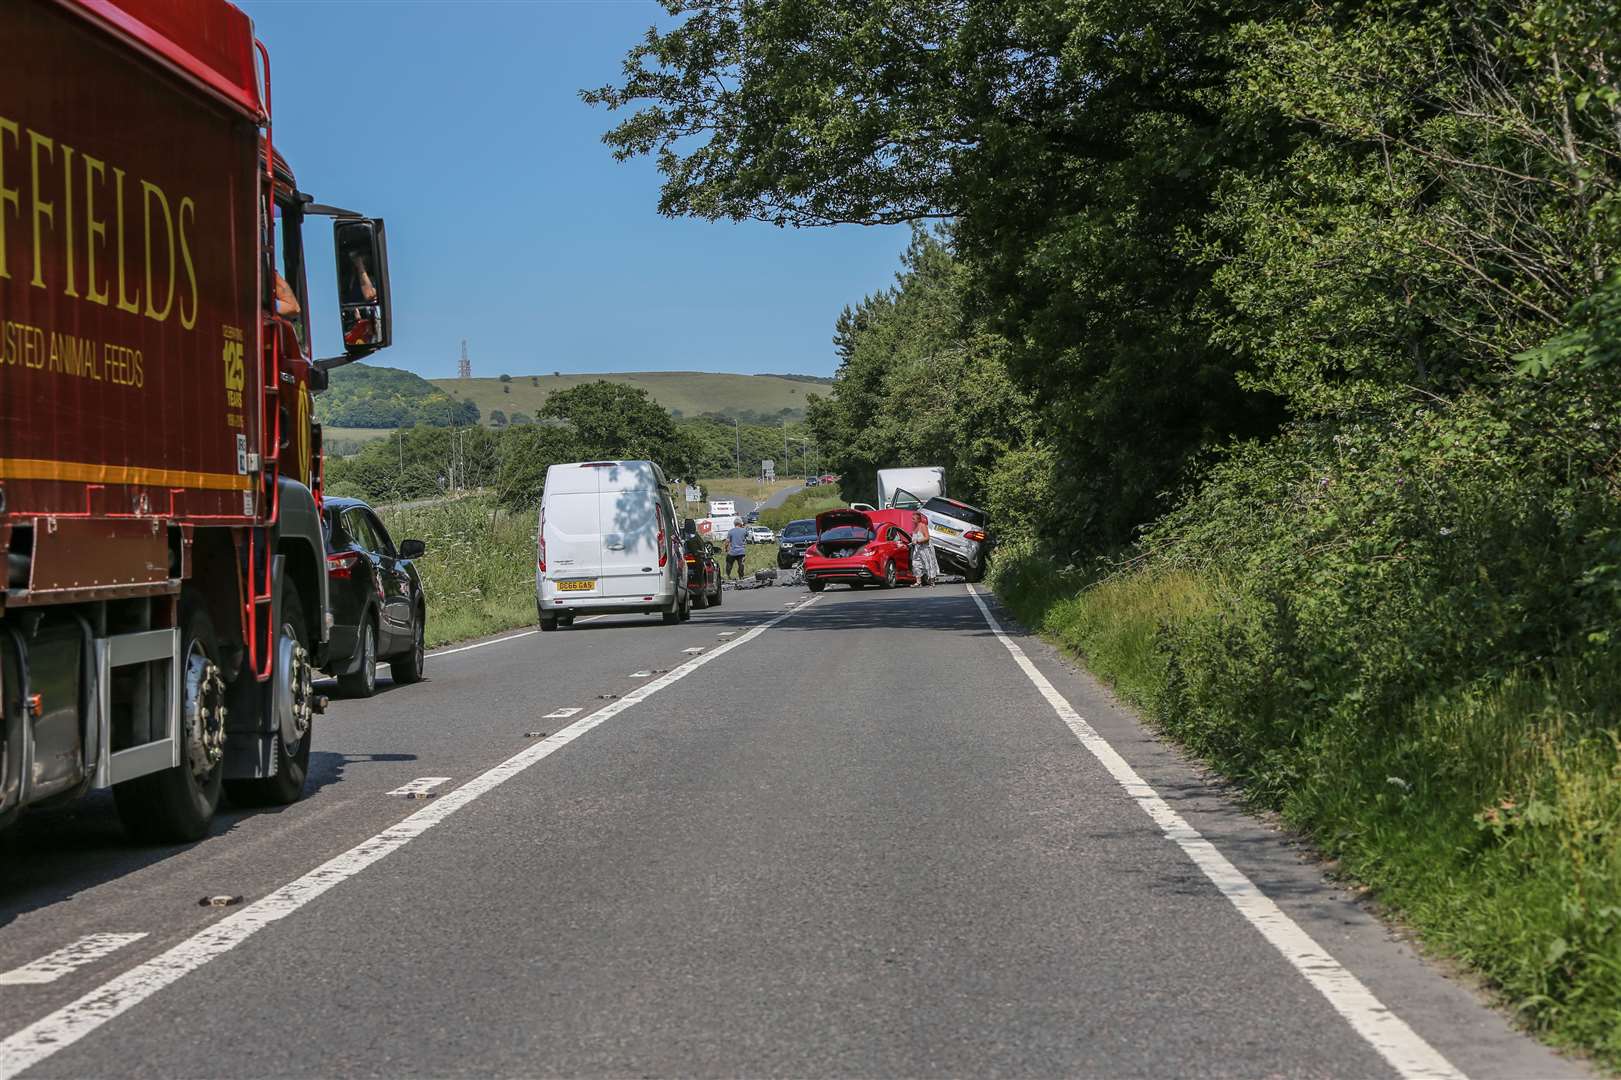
(1402, 637)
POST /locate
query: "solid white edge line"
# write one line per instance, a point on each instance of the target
(54, 965)
(72, 1022)
(1387, 1033)
(481, 644)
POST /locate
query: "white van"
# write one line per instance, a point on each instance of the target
(608, 541)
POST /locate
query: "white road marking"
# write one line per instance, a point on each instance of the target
(420, 786)
(1398, 1044)
(481, 644)
(560, 714)
(73, 1021)
(52, 966)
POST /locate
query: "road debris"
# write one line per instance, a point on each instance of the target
(219, 901)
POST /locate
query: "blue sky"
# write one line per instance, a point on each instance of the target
(509, 223)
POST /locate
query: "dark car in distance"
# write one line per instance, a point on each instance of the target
(703, 572)
(378, 610)
(795, 537)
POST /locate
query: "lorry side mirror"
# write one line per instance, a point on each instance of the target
(364, 304)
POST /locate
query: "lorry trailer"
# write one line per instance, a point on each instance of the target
(164, 608)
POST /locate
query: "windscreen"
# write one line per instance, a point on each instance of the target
(799, 530)
(956, 510)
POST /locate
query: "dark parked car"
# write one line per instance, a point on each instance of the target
(796, 536)
(703, 573)
(378, 612)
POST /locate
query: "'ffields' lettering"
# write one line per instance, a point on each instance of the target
(67, 206)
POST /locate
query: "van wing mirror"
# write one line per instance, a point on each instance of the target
(365, 308)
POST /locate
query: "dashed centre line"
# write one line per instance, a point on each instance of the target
(421, 786)
(43, 1038)
(54, 965)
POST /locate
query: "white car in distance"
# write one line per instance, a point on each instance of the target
(759, 534)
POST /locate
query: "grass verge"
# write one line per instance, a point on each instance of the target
(479, 571)
(1487, 816)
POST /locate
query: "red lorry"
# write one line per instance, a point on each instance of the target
(165, 601)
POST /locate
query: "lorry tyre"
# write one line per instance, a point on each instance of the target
(176, 805)
(362, 682)
(290, 698)
(889, 574)
(406, 668)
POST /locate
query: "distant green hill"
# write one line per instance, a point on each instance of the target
(750, 398)
(362, 396)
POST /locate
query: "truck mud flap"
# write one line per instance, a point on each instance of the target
(250, 735)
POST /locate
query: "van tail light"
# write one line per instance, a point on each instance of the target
(341, 564)
(976, 535)
(540, 544)
(664, 552)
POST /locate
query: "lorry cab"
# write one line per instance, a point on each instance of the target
(608, 541)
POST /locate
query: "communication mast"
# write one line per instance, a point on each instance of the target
(464, 370)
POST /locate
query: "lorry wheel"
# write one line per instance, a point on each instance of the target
(407, 667)
(176, 805)
(290, 697)
(362, 683)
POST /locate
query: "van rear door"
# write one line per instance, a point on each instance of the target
(569, 524)
(631, 523)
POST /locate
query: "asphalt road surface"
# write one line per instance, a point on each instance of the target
(850, 834)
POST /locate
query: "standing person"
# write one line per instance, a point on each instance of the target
(925, 568)
(737, 540)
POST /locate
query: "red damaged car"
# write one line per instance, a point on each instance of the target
(856, 548)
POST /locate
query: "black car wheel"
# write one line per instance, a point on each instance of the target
(362, 682)
(816, 586)
(407, 667)
(714, 600)
(700, 599)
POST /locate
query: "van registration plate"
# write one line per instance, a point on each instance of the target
(577, 585)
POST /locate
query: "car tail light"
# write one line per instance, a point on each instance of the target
(692, 560)
(341, 564)
(975, 535)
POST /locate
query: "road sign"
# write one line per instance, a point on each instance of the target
(768, 470)
(695, 493)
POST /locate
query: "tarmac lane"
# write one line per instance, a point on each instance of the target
(861, 833)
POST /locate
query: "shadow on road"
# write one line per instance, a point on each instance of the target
(52, 855)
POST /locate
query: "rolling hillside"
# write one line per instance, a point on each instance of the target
(688, 393)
